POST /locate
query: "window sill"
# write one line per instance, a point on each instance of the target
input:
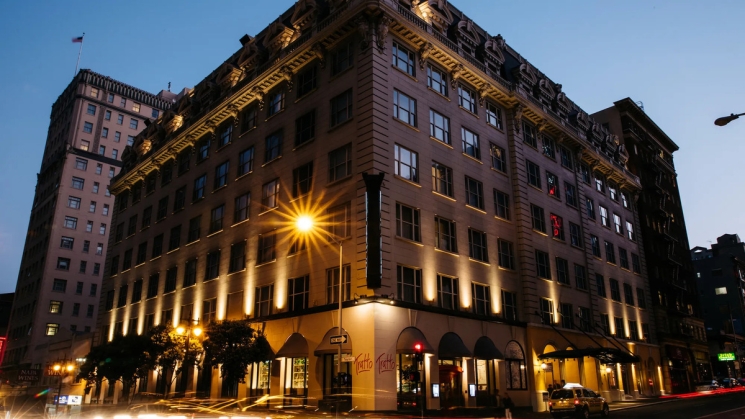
(274, 114)
(192, 242)
(201, 161)
(469, 112)
(473, 158)
(236, 272)
(337, 181)
(310, 92)
(506, 220)
(405, 73)
(447, 252)
(341, 73)
(239, 223)
(438, 93)
(496, 127)
(476, 209)
(502, 268)
(535, 187)
(195, 201)
(271, 161)
(214, 233)
(222, 147)
(542, 233)
(144, 228)
(481, 262)
(406, 124)
(410, 241)
(171, 251)
(156, 258)
(340, 124)
(445, 196)
(303, 144)
(499, 171)
(268, 210)
(410, 182)
(246, 132)
(220, 187)
(265, 263)
(437, 140)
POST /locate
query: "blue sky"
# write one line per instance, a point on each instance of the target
(683, 59)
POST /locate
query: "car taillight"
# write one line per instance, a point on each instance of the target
(576, 402)
(550, 403)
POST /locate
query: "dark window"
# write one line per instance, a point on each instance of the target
(442, 179)
(615, 290)
(246, 161)
(549, 148)
(127, 260)
(266, 248)
(481, 299)
(543, 265)
(571, 194)
(298, 291)
(306, 81)
(407, 222)
(585, 172)
(445, 236)
(248, 119)
(409, 284)
(610, 253)
(341, 108)
(534, 174)
(575, 235)
(171, 277)
(498, 158)
(114, 265)
(195, 225)
(109, 300)
(132, 226)
(641, 300)
(474, 193)
(590, 205)
(339, 220)
(203, 149)
(332, 284)
(566, 158)
(624, 257)
(216, 217)
(342, 58)
(221, 175)
(237, 257)
(302, 180)
(152, 285)
(340, 163)
(225, 135)
(636, 264)
(136, 291)
(241, 208)
(477, 249)
(506, 254)
(595, 245)
(199, 184)
(122, 299)
(305, 128)
(157, 246)
(529, 135)
(174, 241)
(538, 217)
(580, 277)
(59, 285)
(562, 271)
(190, 272)
(273, 146)
(141, 253)
(264, 301)
(566, 311)
(212, 269)
(270, 195)
(585, 319)
(501, 205)
(162, 209)
(447, 292)
(628, 294)
(600, 284)
(147, 216)
(184, 158)
(547, 311)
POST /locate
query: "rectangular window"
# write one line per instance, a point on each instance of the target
(89, 226)
(498, 158)
(107, 115)
(63, 264)
(506, 254)
(501, 205)
(534, 174)
(633, 331)
(306, 81)
(571, 194)
(445, 237)
(529, 135)
(595, 245)
(562, 271)
(85, 145)
(481, 299)
(549, 147)
(566, 158)
(190, 271)
(86, 246)
(585, 319)
(120, 119)
(566, 311)
(147, 215)
(83, 266)
(494, 115)
(636, 265)
(216, 217)
(630, 231)
(543, 265)
(152, 285)
(332, 284)
(141, 253)
(599, 183)
(96, 268)
(628, 294)
(467, 99)
(557, 227)
(623, 257)
(538, 218)
(605, 323)
(212, 267)
(195, 225)
(209, 311)
(474, 193)
(248, 119)
(553, 185)
(439, 126)
(162, 208)
(617, 224)
(122, 299)
(266, 248)
(437, 80)
(341, 108)
(174, 240)
(610, 253)
(447, 292)
(81, 164)
(78, 183)
(403, 59)
(409, 284)
(302, 180)
(132, 226)
(221, 175)
(270, 195)
(509, 305)
(620, 332)
(342, 58)
(184, 159)
(590, 205)
(641, 300)
(105, 133)
(166, 173)
(88, 127)
(613, 191)
(600, 284)
(241, 208)
(96, 186)
(102, 150)
(575, 235)
(340, 163)
(404, 108)
(477, 248)
(264, 301)
(67, 242)
(55, 307)
(298, 291)
(407, 222)
(615, 291)
(127, 261)
(51, 329)
(225, 135)
(470, 143)
(340, 220)
(59, 285)
(199, 184)
(130, 140)
(133, 123)
(442, 179)
(273, 146)
(114, 265)
(245, 161)
(406, 163)
(547, 311)
(203, 149)
(172, 276)
(305, 128)
(580, 277)
(136, 292)
(73, 202)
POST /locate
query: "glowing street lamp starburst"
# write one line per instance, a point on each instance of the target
(304, 223)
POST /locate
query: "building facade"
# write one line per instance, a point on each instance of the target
(719, 277)
(680, 328)
(507, 229)
(59, 280)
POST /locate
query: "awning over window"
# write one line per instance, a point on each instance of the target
(410, 337)
(451, 346)
(604, 355)
(485, 349)
(295, 347)
(326, 347)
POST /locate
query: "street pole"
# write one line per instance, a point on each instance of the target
(341, 287)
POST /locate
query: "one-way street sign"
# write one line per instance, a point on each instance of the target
(339, 339)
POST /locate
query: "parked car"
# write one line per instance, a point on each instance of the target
(729, 382)
(575, 400)
(741, 381)
(707, 385)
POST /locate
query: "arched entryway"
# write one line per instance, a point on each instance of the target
(450, 354)
(294, 380)
(410, 377)
(486, 356)
(337, 377)
(514, 366)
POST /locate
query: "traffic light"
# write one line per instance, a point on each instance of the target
(418, 356)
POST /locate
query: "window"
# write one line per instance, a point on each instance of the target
(447, 292)
(77, 183)
(162, 208)
(474, 193)
(481, 299)
(270, 195)
(184, 158)
(59, 285)
(575, 235)
(445, 237)
(209, 311)
(190, 272)
(342, 58)
(99, 249)
(199, 184)
(610, 253)
(600, 283)
(133, 123)
(166, 174)
(97, 267)
(225, 135)
(498, 160)
(216, 217)
(562, 271)
(628, 294)
(409, 284)
(122, 299)
(477, 249)
(89, 226)
(332, 284)
(547, 311)
(580, 277)
(557, 227)
(127, 261)
(403, 59)
(341, 108)
(553, 185)
(83, 266)
(298, 291)
(171, 275)
(67, 242)
(633, 330)
(509, 305)
(620, 332)
(506, 254)
(86, 246)
(543, 266)
(439, 126)
(566, 158)
(88, 127)
(102, 150)
(248, 119)
(111, 175)
(120, 119)
(221, 175)
(81, 164)
(494, 115)
(470, 143)
(529, 135)
(467, 99)
(99, 170)
(501, 205)
(203, 149)
(599, 183)
(212, 268)
(407, 222)
(590, 205)
(630, 231)
(245, 161)
(625, 200)
(442, 179)
(73, 202)
(102, 229)
(264, 301)
(63, 264)
(437, 80)
(241, 208)
(605, 323)
(152, 286)
(305, 128)
(95, 187)
(571, 194)
(407, 163)
(636, 265)
(155, 113)
(585, 319)
(340, 220)
(641, 300)
(595, 245)
(85, 145)
(404, 108)
(617, 224)
(302, 180)
(174, 240)
(105, 133)
(340, 163)
(534, 174)
(55, 307)
(613, 191)
(565, 311)
(623, 256)
(237, 257)
(195, 225)
(615, 291)
(114, 154)
(273, 146)
(136, 291)
(306, 81)
(52, 329)
(538, 218)
(266, 250)
(132, 226)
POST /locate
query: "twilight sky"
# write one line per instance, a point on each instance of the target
(683, 59)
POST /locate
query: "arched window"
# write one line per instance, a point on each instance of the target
(514, 359)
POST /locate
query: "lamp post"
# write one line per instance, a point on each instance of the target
(192, 328)
(727, 119)
(64, 367)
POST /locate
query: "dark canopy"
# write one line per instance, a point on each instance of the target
(325, 347)
(485, 349)
(295, 347)
(408, 338)
(451, 346)
(604, 355)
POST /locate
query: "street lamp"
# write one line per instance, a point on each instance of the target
(192, 328)
(63, 367)
(727, 119)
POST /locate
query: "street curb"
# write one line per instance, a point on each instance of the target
(642, 405)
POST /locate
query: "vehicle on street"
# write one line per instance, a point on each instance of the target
(575, 400)
(707, 385)
(729, 382)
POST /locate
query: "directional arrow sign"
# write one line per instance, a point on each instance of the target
(339, 339)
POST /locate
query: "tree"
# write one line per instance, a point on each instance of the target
(171, 356)
(235, 345)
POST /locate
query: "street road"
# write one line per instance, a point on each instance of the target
(726, 406)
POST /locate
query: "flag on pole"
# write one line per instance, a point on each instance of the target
(79, 39)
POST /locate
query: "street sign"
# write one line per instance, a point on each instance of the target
(347, 358)
(339, 339)
(726, 356)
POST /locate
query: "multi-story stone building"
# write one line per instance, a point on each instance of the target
(507, 233)
(680, 328)
(719, 277)
(59, 279)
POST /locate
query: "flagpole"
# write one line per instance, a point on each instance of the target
(80, 51)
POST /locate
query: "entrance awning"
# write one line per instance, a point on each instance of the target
(295, 347)
(325, 347)
(604, 355)
(485, 349)
(410, 337)
(451, 346)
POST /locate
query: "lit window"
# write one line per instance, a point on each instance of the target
(403, 59)
(52, 329)
(136, 107)
(467, 99)
(437, 80)
(404, 108)
(470, 143)
(406, 163)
